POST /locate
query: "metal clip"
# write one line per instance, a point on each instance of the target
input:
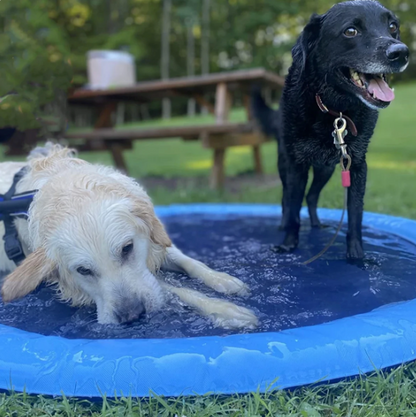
(340, 132)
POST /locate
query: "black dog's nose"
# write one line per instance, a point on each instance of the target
(131, 313)
(398, 53)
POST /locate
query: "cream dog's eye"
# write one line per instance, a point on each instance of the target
(84, 271)
(127, 250)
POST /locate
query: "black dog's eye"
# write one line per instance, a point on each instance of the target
(126, 250)
(393, 27)
(351, 32)
(84, 271)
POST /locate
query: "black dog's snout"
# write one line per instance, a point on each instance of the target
(129, 312)
(398, 53)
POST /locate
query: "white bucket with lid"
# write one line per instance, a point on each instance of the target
(109, 69)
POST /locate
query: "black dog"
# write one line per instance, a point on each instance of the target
(340, 63)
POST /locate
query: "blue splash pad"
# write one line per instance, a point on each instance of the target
(317, 322)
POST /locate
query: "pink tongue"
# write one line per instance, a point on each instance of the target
(380, 90)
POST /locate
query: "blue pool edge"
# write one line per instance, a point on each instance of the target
(234, 364)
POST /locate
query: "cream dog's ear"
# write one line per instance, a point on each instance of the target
(158, 233)
(27, 276)
(144, 210)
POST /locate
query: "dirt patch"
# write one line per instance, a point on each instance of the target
(234, 184)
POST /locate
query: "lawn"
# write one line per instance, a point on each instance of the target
(391, 161)
(392, 174)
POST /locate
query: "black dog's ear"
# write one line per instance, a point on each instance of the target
(307, 40)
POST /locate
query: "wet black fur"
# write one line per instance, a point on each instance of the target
(303, 132)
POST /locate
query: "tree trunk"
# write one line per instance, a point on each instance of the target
(166, 108)
(111, 24)
(205, 42)
(205, 37)
(190, 61)
(123, 13)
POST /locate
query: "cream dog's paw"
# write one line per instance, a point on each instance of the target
(221, 281)
(231, 316)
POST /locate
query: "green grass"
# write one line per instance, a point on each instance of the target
(392, 176)
(391, 394)
(391, 161)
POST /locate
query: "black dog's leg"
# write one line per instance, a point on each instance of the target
(283, 168)
(293, 193)
(355, 210)
(321, 176)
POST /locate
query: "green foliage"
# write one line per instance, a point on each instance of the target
(249, 33)
(33, 51)
(38, 37)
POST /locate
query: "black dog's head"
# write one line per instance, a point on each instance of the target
(351, 48)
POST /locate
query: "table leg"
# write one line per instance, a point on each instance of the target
(104, 118)
(118, 157)
(218, 171)
(258, 164)
(222, 109)
(116, 149)
(222, 103)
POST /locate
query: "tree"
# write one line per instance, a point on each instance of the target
(165, 53)
(37, 38)
(190, 59)
(34, 60)
(188, 16)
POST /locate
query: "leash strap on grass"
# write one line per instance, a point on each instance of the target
(336, 233)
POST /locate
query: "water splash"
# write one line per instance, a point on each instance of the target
(285, 294)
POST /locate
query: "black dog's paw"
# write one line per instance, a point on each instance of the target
(282, 248)
(289, 244)
(355, 251)
(319, 225)
(359, 263)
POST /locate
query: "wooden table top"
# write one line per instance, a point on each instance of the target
(184, 86)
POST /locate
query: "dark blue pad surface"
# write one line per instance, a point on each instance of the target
(285, 294)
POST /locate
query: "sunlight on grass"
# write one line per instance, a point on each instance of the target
(233, 157)
(391, 165)
(199, 165)
(391, 161)
(240, 150)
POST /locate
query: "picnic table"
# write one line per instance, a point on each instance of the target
(217, 136)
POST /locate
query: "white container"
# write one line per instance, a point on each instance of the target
(109, 69)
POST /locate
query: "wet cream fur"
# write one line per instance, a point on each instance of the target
(82, 216)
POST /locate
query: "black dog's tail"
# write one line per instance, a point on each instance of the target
(267, 118)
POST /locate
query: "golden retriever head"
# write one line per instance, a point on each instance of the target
(94, 234)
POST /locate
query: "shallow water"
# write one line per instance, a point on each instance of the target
(285, 294)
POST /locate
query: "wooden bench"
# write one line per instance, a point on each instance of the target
(217, 137)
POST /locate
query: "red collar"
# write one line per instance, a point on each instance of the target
(351, 126)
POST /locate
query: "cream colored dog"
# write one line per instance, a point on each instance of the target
(93, 232)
